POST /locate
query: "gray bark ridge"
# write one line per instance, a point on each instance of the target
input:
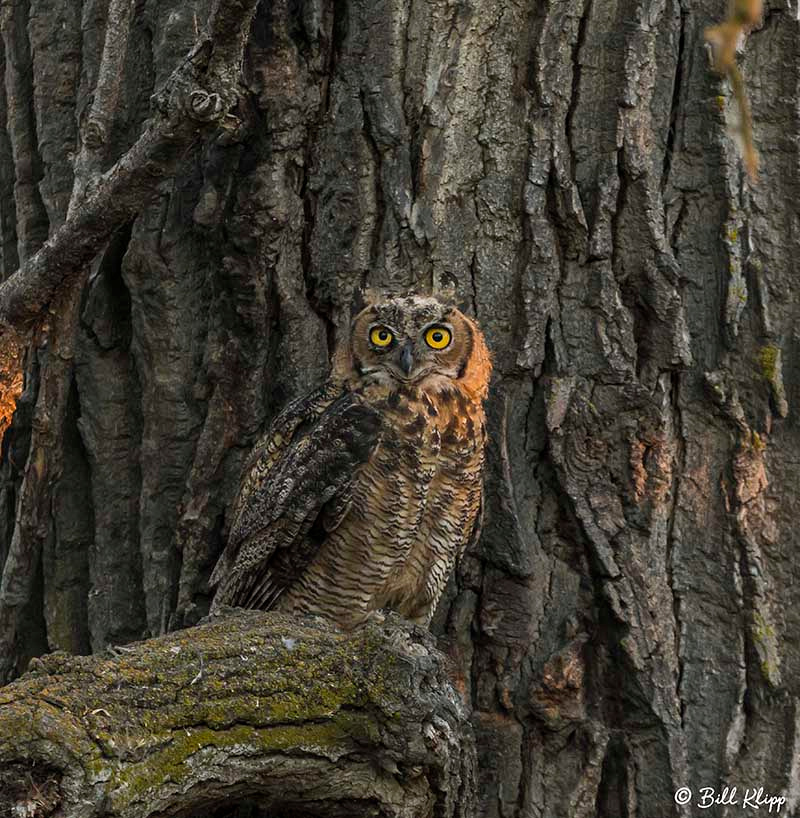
(291, 715)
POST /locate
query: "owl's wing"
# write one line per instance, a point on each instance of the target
(295, 489)
(270, 451)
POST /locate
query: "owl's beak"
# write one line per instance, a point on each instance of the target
(406, 358)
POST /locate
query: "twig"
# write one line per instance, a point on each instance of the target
(199, 675)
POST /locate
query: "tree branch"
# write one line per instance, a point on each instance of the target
(33, 522)
(95, 132)
(197, 97)
(295, 716)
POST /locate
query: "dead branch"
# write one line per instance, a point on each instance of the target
(295, 717)
(45, 460)
(197, 98)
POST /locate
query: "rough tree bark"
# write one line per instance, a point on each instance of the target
(256, 708)
(627, 624)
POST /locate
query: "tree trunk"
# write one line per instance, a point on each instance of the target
(624, 627)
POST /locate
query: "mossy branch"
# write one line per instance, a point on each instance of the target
(295, 717)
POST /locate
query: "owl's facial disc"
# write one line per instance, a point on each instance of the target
(407, 358)
(409, 340)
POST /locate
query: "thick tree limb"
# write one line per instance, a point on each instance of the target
(296, 717)
(197, 97)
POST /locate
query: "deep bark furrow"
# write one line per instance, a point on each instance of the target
(677, 101)
(679, 471)
(55, 43)
(578, 45)
(110, 429)
(9, 259)
(65, 563)
(31, 217)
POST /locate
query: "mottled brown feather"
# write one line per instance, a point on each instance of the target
(301, 475)
(364, 494)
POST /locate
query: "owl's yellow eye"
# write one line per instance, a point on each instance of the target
(437, 337)
(380, 336)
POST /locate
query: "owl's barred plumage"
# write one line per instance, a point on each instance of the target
(364, 493)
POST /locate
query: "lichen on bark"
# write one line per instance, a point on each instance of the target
(290, 715)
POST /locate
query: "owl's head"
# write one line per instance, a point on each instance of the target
(415, 340)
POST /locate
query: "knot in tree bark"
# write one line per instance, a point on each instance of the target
(205, 107)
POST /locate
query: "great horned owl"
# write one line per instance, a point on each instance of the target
(363, 493)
